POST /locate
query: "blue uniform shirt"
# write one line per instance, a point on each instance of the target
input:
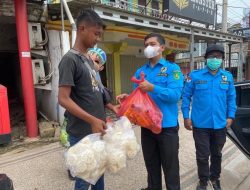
(213, 98)
(168, 83)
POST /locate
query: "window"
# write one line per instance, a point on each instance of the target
(141, 7)
(142, 2)
(244, 96)
(155, 4)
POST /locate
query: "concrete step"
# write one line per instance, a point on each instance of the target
(236, 172)
(245, 184)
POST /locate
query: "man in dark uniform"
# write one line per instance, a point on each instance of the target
(212, 93)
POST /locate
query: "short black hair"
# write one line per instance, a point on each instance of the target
(159, 37)
(90, 17)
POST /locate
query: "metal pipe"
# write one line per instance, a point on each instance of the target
(224, 16)
(215, 16)
(72, 22)
(26, 68)
(62, 16)
(229, 56)
(248, 61)
(240, 64)
(192, 51)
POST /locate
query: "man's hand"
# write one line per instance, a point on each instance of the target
(229, 123)
(146, 86)
(114, 108)
(98, 126)
(188, 124)
(120, 98)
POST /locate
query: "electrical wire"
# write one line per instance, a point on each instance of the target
(44, 43)
(219, 14)
(237, 16)
(238, 7)
(232, 20)
(234, 12)
(51, 71)
(244, 3)
(229, 19)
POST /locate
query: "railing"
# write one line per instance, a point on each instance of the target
(135, 8)
(140, 9)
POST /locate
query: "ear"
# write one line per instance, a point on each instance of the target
(81, 27)
(162, 48)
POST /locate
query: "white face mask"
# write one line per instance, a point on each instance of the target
(151, 51)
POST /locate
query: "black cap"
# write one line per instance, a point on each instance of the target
(215, 47)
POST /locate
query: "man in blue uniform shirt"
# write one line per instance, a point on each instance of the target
(164, 83)
(212, 93)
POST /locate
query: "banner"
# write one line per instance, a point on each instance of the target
(202, 11)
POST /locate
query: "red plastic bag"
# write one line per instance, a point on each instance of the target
(141, 110)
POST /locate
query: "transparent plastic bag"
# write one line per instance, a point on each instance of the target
(90, 157)
(87, 159)
(121, 136)
(116, 159)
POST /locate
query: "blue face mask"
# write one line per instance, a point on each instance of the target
(214, 63)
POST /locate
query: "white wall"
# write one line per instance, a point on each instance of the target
(48, 100)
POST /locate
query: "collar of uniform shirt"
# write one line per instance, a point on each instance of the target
(162, 62)
(206, 70)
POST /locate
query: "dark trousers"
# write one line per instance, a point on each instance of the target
(161, 150)
(209, 142)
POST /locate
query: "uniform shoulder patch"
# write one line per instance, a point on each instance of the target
(177, 74)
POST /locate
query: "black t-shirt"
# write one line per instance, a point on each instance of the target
(84, 92)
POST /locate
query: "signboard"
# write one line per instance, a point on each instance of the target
(202, 11)
(115, 34)
(245, 32)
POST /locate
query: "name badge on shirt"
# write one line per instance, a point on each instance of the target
(201, 82)
(163, 72)
(224, 79)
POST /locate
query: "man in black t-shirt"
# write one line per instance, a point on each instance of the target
(79, 92)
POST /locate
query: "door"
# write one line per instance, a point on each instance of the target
(240, 130)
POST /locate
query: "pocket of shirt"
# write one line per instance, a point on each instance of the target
(224, 86)
(160, 80)
(201, 90)
(201, 86)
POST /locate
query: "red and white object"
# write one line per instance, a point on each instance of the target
(5, 130)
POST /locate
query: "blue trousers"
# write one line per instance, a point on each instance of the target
(80, 184)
